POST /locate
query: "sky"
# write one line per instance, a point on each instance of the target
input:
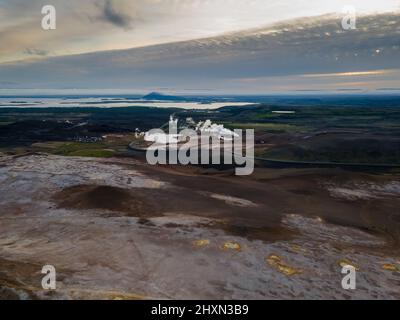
(93, 26)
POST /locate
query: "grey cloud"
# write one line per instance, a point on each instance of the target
(111, 15)
(36, 52)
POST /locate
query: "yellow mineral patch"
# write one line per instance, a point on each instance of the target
(102, 294)
(298, 249)
(231, 246)
(155, 184)
(277, 263)
(201, 243)
(390, 267)
(343, 263)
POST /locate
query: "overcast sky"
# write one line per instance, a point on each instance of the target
(92, 26)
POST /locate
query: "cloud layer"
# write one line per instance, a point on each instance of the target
(302, 54)
(94, 25)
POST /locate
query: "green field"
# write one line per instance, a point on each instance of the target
(366, 132)
(266, 127)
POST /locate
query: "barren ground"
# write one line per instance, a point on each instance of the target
(120, 229)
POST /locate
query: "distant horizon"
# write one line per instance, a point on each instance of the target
(128, 92)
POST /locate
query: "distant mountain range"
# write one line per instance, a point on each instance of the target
(156, 96)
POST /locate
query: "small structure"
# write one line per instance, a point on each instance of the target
(172, 137)
(217, 130)
(162, 138)
(165, 138)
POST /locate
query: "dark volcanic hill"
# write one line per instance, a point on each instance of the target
(162, 97)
